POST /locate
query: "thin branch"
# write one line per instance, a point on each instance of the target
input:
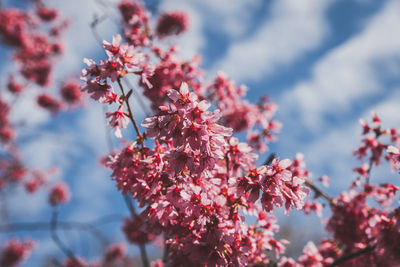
(40, 226)
(369, 170)
(270, 158)
(142, 247)
(129, 204)
(131, 117)
(227, 165)
(4, 210)
(93, 26)
(166, 251)
(56, 263)
(352, 255)
(58, 241)
(319, 193)
(106, 129)
(138, 97)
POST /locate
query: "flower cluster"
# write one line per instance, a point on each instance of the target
(241, 115)
(122, 60)
(59, 194)
(15, 252)
(35, 49)
(394, 157)
(135, 22)
(373, 144)
(198, 181)
(6, 128)
(35, 38)
(173, 23)
(200, 191)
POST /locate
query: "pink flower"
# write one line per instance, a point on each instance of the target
(49, 103)
(118, 121)
(59, 194)
(394, 157)
(172, 23)
(47, 14)
(15, 252)
(135, 232)
(113, 49)
(71, 93)
(115, 252)
(14, 87)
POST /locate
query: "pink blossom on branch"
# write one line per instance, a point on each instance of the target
(59, 194)
(118, 121)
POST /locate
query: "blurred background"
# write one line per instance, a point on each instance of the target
(325, 63)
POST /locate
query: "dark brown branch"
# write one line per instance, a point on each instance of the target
(227, 166)
(138, 97)
(352, 255)
(40, 226)
(319, 193)
(131, 117)
(142, 247)
(166, 251)
(270, 158)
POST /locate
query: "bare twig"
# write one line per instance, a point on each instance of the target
(166, 251)
(142, 247)
(319, 193)
(270, 159)
(131, 117)
(227, 165)
(138, 97)
(107, 133)
(93, 27)
(352, 255)
(56, 263)
(71, 225)
(4, 209)
(369, 170)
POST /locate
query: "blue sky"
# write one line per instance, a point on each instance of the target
(325, 63)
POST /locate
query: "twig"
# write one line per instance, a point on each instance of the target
(270, 159)
(39, 226)
(4, 210)
(142, 247)
(318, 192)
(131, 117)
(56, 263)
(138, 97)
(227, 165)
(108, 136)
(369, 170)
(58, 241)
(352, 255)
(93, 27)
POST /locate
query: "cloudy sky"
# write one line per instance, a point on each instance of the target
(325, 63)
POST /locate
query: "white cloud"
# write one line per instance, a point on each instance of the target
(292, 29)
(349, 73)
(332, 152)
(232, 17)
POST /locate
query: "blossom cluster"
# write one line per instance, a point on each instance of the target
(199, 190)
(14, 252)
(35, 38)
(197, 183)
(363, 218)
